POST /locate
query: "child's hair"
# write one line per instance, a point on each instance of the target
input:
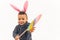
(22, 13)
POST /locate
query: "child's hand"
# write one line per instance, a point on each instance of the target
(17, 37)
(32, 29)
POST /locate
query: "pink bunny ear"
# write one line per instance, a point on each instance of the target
(15, 8)
(25, 6)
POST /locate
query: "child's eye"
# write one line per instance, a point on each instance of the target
(22, 18)
(19, 19)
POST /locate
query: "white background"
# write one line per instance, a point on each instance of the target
(48, 28)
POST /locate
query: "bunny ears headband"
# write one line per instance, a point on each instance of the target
(24, 7)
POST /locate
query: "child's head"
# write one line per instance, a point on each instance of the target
(22, 18)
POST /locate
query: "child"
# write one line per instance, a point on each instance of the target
(22, 25)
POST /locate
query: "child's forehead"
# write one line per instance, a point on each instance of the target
(22, 15)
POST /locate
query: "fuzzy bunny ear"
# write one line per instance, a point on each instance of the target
(15, 8)
(25, 6)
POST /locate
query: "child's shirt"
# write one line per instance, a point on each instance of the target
(19, 29)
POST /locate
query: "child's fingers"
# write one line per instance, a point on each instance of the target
(32, 30)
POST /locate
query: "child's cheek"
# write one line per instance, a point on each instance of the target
(18, 22)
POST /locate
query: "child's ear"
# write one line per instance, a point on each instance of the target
(27, 19)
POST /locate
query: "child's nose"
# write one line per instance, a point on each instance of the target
(21, 20)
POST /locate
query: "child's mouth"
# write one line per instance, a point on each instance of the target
(21, 23)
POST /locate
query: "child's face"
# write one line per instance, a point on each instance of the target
(22, 19)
